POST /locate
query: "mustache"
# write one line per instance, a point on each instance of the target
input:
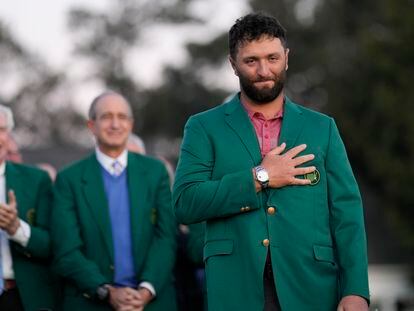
(264, 80)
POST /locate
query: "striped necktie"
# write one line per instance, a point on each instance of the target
(117, 168)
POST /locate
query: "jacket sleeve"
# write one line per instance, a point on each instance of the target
(158, 268)
(197, 196)
(69, 261)
(346, 219)
(39, 244)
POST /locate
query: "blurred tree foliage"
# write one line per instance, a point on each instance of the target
(351, 59)
(371, 98)
(42, 108)
(107, 38)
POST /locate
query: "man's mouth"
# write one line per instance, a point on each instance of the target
(269, 83)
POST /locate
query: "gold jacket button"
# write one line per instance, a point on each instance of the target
(247, 208)
(266, 242)
(243, 209)
(271, 210)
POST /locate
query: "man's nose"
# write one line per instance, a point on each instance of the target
(115, 122)
(263, 69)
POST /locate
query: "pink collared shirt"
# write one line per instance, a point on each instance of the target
(267, 131)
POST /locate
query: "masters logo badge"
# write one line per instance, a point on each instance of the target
(314, 177)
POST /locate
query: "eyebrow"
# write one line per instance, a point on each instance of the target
(277, 54)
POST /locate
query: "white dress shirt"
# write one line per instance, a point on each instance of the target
(21, 236)
(107, 161)
(107, 164)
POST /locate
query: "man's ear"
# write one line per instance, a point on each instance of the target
(233, 65)
(90, 124)
(287, 59)
(132, 124)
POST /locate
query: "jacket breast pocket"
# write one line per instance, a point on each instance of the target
(324, 253)
(217, 248)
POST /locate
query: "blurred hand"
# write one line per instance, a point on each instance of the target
(125, 299)
(353, 303)
(282, 168)
(145, 295)
(9, 221)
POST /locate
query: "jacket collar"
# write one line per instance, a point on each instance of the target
(238, 120)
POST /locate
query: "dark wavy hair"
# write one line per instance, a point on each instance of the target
(252, 27)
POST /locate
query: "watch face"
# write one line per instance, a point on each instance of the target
(262, 176)
(102, 292)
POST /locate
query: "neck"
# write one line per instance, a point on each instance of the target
(111, 152)
(269, 110)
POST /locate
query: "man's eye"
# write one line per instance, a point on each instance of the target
(106, 117)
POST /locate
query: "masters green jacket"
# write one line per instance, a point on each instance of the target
(316, 232)
(38, 288)
(82, 235)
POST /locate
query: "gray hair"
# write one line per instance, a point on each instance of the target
(6, 111)
(95, 101)
(134, 139)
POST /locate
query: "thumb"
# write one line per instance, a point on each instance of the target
(12, 197)
(278, 150)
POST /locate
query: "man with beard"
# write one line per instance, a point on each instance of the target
(285, 228)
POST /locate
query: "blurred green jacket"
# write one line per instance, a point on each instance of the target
(38, 287)
(82, 235)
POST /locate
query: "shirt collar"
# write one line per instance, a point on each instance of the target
(106, 161)
(2, 168)
(254, 114)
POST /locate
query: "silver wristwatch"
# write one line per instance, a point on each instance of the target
(102, 292)
(262, 176)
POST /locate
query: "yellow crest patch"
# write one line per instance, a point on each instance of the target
(31, 216)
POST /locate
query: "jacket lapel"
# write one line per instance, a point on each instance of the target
(94, 192)
(238, 120)
(12, 180)
(292, 124)
(138, 193)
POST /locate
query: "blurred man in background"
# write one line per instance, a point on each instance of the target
(13, 153)
(25, 248)
(136, 144)
(113, 227)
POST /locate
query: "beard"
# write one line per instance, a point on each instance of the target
(263, 95)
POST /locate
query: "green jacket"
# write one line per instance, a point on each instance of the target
(38, 287)
(317, 235)
(82, 237)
